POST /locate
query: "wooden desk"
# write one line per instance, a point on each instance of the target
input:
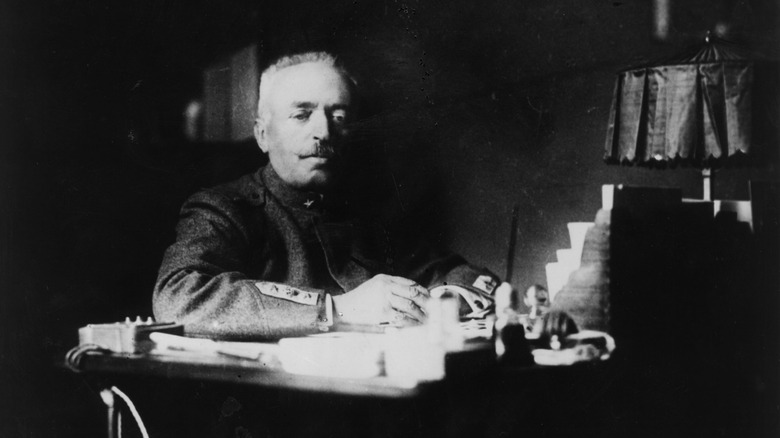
(194, 395)
(244, 372)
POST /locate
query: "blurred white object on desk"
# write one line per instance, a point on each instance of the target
(443, 324)
(348, 355)
(410, 355)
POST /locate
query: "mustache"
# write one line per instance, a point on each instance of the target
(322, 149)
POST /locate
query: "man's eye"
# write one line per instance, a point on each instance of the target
(339, 116)
(301, 115)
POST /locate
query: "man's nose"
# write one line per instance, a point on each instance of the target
(320, 125)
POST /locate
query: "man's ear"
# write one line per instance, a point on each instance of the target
(260, 134)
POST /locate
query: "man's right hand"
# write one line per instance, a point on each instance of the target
(383, 298)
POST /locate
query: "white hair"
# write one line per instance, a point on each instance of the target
(269, 75)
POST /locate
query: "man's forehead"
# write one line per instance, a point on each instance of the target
(309, 84)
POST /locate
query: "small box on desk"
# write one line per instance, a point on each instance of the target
(126, 337)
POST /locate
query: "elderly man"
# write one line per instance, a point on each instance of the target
(277, 252)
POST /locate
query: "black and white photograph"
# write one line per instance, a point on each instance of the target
(390, 218)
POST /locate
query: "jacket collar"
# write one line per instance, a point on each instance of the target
(289, 196)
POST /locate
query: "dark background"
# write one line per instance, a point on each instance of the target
(479, 106)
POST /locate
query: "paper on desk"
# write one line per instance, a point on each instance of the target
(244, 350)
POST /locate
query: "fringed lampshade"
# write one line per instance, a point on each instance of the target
(696, 109)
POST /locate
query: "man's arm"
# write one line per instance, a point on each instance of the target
(203, 284)
(433, 267)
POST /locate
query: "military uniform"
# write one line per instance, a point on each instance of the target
(256, 258)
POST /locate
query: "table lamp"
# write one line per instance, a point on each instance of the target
(702, 109)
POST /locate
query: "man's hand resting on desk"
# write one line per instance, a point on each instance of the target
(383, 298)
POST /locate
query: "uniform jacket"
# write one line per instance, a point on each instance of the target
(253, 258)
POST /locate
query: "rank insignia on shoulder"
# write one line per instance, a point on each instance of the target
(485, 283)
(287, 293)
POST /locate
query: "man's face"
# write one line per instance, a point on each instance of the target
(305, 123)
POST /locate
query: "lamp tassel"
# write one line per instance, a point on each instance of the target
(706, 174)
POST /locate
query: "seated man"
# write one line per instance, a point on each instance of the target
(278, 252)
